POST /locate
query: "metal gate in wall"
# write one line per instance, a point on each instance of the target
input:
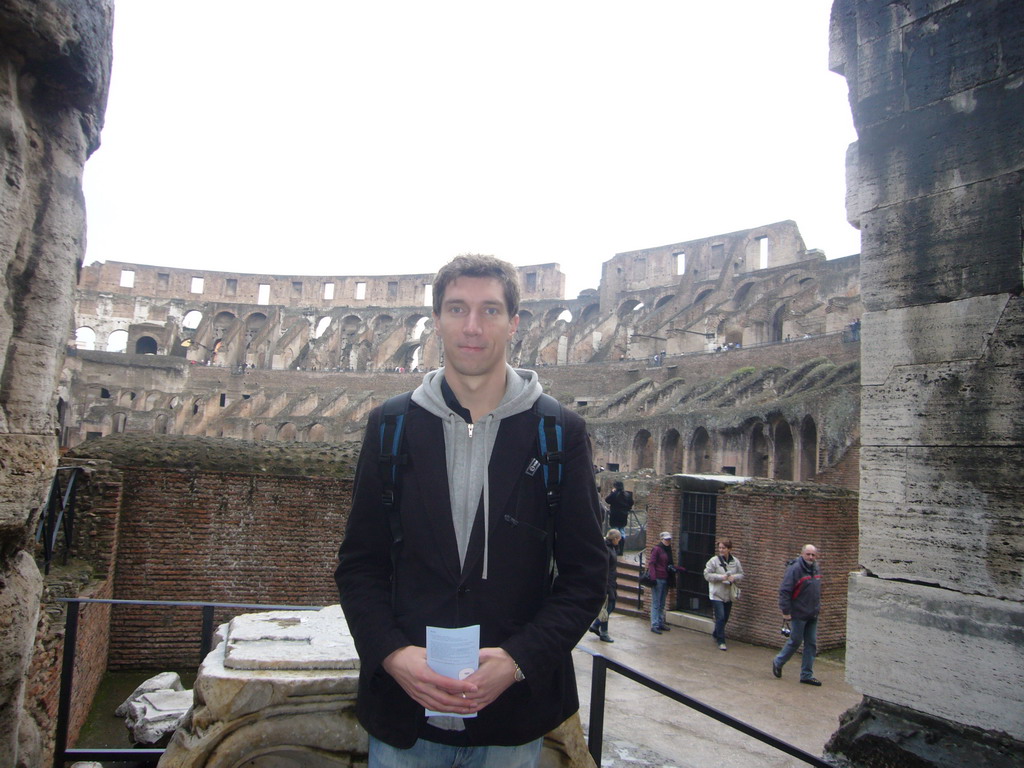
(696, 545)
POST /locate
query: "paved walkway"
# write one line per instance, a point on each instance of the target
(642, 728)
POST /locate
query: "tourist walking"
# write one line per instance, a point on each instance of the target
(600, 626)
(800, 603)
(722, 573)
(660, 567)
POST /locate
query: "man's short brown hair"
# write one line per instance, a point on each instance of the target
(475, 265)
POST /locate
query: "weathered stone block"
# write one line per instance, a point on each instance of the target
(943, 653)
(943, 247)
(971, 136)
(27, 464)
(944, 374)
(948, 516)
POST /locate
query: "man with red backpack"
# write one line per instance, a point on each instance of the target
(800, 603)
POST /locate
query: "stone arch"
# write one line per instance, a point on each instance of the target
(778, 323)
(85, 338)
(742, 293)
(628, 306)
(758, 453)
(117, 341)
(590, 312)
(119, 422)
(126, 398)
(664, 300)
(556, 314)
(192, 319)
(152, 399)
(222, 323)
(316, 433)
(350, 324)
(321, 326)
(671, 453)
(525, 320)
(416, 325)
(287, 432)
(700, 452)
(260, 432)
(254, 324)
(145, 345)
(643, 450)
(782, 437)
(808, 448)
(160, 424)
(703, 295)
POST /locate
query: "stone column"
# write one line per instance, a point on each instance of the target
(936, 619)
(54, 72)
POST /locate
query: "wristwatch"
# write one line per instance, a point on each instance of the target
(519, 676)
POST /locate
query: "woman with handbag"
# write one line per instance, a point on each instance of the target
(722, 573)
(660, 568)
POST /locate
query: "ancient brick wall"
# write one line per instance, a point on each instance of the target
(768, 524)
(218, 537)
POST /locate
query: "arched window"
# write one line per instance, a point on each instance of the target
(145, 345)
(117, 341)
(85, 338)
(758, 460)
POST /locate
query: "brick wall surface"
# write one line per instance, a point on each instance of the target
(768, 524)
(218, 537)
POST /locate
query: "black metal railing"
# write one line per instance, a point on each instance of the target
(58, 514)
(598, 684)
(143, 756)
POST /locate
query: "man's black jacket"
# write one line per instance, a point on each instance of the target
(518, 607)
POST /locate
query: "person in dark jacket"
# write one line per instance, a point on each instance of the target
(479, 547)
(612, 540)
(800, 603)
(660, 568)
(619, 501)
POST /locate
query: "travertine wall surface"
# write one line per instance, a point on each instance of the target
(54, 72)
(937, 92)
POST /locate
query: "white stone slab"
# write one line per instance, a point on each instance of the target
(294, 640)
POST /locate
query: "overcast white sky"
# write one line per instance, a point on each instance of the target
(338, 137)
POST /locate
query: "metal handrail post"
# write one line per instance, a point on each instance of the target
(595, 732)
(67, 674)
(206, 641)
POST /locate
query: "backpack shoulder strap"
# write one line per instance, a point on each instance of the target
(549, 429)
(390, 458)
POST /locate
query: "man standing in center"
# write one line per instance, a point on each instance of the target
(477, 538)
(800, 603)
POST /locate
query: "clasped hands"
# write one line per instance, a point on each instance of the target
(408, 665)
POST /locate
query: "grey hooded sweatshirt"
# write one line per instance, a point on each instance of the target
(468, 447)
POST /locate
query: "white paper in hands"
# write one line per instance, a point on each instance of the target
(454, 653)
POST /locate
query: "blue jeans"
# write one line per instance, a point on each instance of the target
(428, 754)
(722, 611)
(805, 631)
(658, 594)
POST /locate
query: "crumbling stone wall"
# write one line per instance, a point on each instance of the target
(54, 72)
(935, 176)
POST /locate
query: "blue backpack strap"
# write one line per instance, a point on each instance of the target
(389, 459)
(549, 433)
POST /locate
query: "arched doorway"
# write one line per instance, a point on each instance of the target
(808, 448)
(671, 454)
(643, 451)
(700, 452)
(783, 451)
(758, 457)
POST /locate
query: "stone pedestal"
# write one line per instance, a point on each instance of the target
(278, 690)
